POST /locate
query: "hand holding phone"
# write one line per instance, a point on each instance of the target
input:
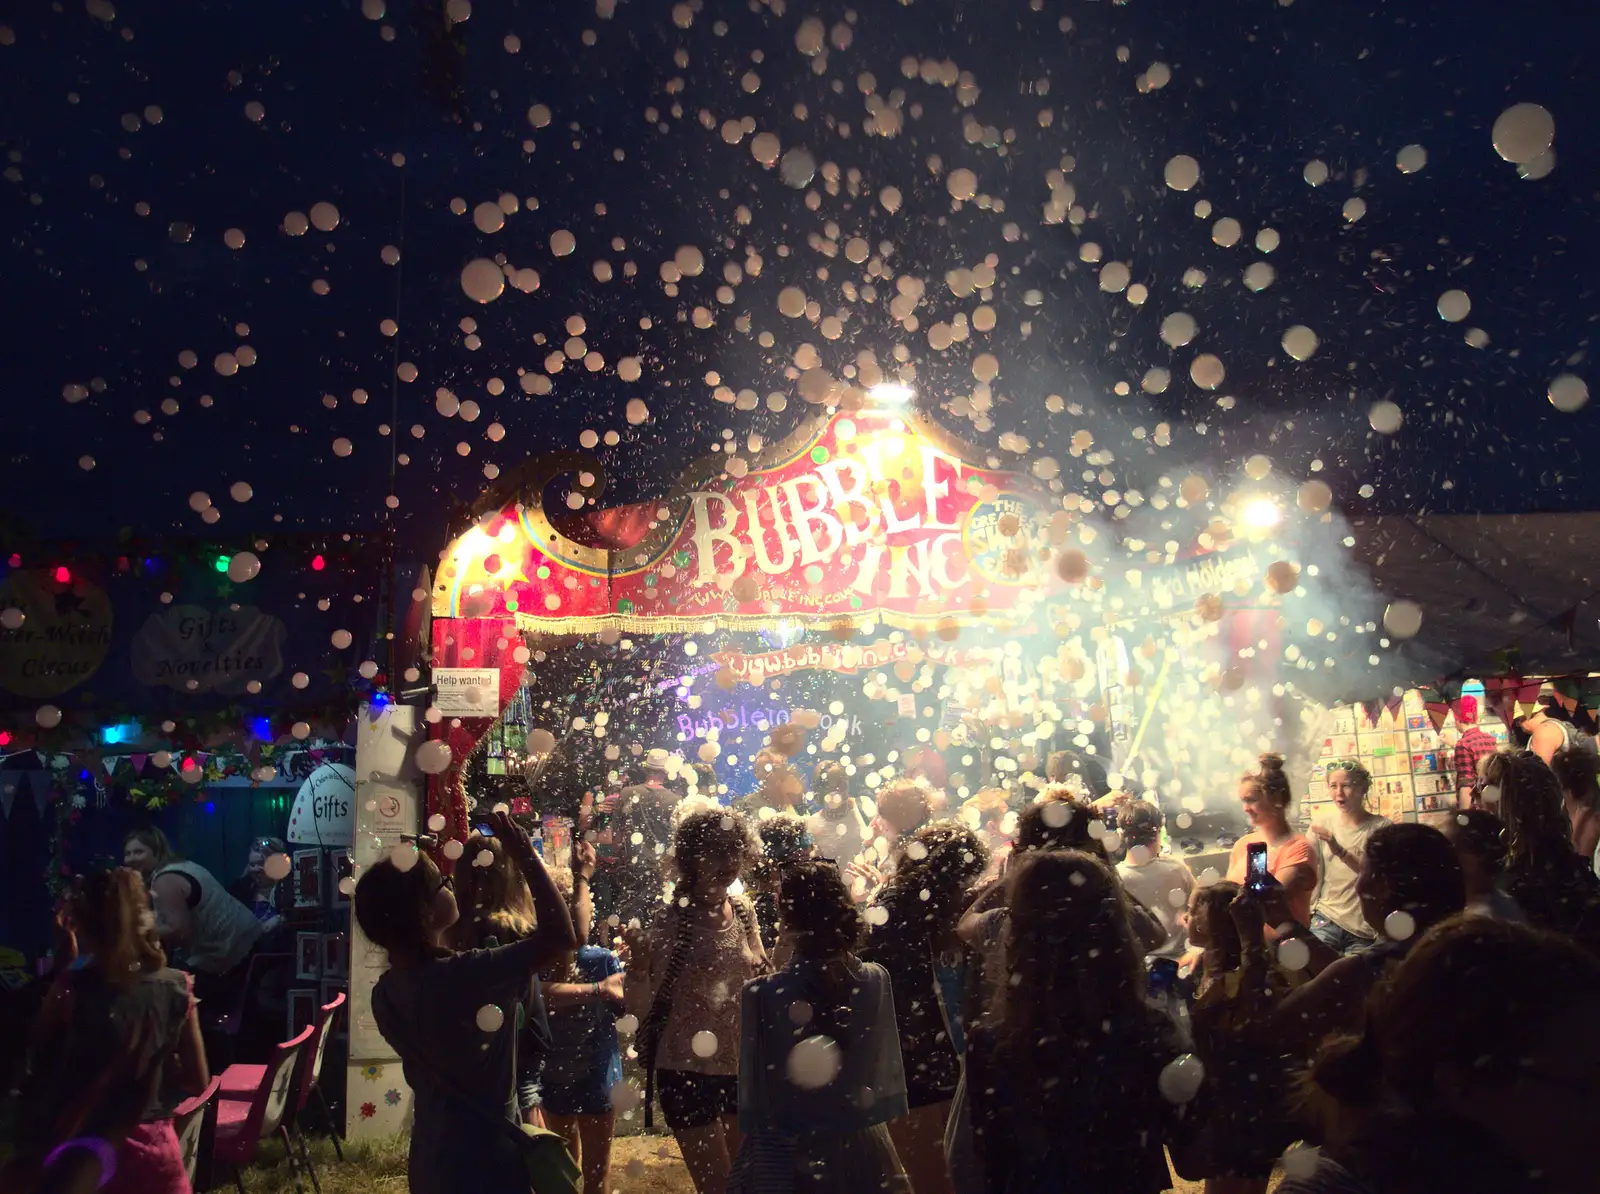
(1256, 876)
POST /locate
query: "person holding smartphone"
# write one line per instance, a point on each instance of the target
(1272, 846)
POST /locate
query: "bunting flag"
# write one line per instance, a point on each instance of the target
(1438, 711)
(1371, 710)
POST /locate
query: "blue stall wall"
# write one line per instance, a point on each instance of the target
(215, 831)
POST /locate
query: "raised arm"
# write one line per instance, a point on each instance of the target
(553, 924)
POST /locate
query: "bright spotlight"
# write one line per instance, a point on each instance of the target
(891, 393)
(1260, 514)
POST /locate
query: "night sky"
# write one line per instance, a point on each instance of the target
(96, 290)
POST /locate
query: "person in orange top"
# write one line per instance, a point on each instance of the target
(1291, 861)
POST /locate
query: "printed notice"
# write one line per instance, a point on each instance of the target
(467, 691)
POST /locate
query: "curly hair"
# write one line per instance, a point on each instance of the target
(935, 866)
(1141, 822)
(815, 906)
(1057, 823)
(1530, 805)
(707, 834)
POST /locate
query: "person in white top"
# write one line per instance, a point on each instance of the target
(1158, 881)
(837, 829)
(1336, 918)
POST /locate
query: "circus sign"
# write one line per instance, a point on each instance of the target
(855, 518)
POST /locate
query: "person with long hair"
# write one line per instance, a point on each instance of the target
(1064, 1075)
(495, 907)
(1336, 917)
(1266, 798)
(685, 972)
(1578, 772)
(114, 1005)
(1472, 1072)
(1554, 887)
(912, 935)
(1410, 880)
(453, 1016)
(817, 1089)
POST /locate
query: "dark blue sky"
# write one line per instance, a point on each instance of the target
(93, 289)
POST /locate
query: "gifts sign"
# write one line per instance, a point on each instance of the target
(200, 650)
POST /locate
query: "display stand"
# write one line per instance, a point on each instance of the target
(1412, 764)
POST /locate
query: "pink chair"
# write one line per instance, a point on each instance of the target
(246, 1118)
(195, 1121)
(239, 1081)
(224, 1024)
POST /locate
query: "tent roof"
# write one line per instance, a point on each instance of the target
(1487, 583)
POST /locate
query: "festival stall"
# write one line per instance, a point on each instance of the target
(867, 549)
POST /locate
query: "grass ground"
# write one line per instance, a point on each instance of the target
(380, 1168)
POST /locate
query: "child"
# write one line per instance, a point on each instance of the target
(584, 1062)
(684, 976)
(815, 1090)
(115, 1006)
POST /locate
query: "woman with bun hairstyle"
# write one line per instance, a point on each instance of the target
(816, 1090)
(1474, 1072)
(1291, 860)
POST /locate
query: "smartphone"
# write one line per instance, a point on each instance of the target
(1256, 878)
(485, 830)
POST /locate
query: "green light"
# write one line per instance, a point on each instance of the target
(223, 562)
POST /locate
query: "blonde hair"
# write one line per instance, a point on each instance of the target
(494, 899)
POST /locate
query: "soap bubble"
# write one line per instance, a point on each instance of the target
(539, 742)
(1403, 619)
(490, 1018)
(1411, 159)
(703, 1043)
(246, 565)
(482, 280)
(434, 757)
(276, 867)
(624, 1097)
(1181, 1078)
(48, 717)
(1454, 306)
(1293, 954)
(341, 639)
(1300, 342)
(1182, 172)
(404, 856)
(1385, 417)
(435, 822)
(814, 1063)
(1523, 132)
(1399, 925)
(1568, 393)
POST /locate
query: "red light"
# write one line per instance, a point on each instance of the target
(63, 577)
(5, 737)
(15, 561)
(318, 563)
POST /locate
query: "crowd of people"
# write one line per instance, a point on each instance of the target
(1024, 993)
